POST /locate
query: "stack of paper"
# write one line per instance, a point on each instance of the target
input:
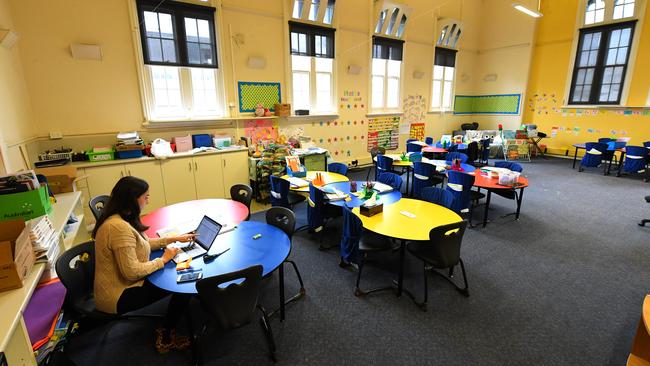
(334, 194)
(45, 241)
(297, 182)
(128, 141)
(382, 188)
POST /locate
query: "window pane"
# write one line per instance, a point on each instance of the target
(378, 66)
(191, 32)
(593, 55)
(449, 73)
(323, 91)
(402, 25)
(204, 31)
(443, 33)
(297, 8)
(436, 94)
(392, 93)
(329, 12)
(577, 93)
(377, 92)
(438, 72)
(623, 9)
(301, 63)
(302, 42)
(589, 77)
(204, 91)
(586, 91)
(193, 53)
(617, 76)
(625, 37)
(446, 94)
(313, 10)
(324, 64)
(391, 23)
(380, 21)
(607, 75)
(604, 93)
(155, 50)
(394, 68)
(595, 12)
(206, 54)
(294, 42)
(581, 76)
(166, 91)
(169, 50)
(166, 28)
(613, 92)
(621, 56)
(301, 90)
(586, 44)
(151, 24)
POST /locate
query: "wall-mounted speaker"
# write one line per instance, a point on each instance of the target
(256, 62)
(490, 77)
(417, 74)
(86, 51)
(8, 38)
(354, 69)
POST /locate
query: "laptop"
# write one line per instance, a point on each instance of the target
(206, 234)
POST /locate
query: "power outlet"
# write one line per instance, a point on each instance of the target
(56, 135)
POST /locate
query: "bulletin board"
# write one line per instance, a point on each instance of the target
(417, 131)
(503, 104)
(252, 93)
(262, 129)
(383, 132)
(414, 112)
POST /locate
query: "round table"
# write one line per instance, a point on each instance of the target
(385, 198)
(226, 212)
(328, 177)
(392, 223)
(492, 184)
(441, 165)
(434, 149)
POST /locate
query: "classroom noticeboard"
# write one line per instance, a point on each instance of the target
(503, 104)
(383, 132)
(253, 93)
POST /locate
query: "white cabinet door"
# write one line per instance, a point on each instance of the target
(235, 170)
(102, 179)
(207, 176)
(151, 173)
(178, 180)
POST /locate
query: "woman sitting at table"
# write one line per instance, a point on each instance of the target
(122, 261)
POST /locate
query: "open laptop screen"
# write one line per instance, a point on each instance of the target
(207, 232)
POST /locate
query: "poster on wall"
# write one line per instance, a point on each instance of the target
(414, 112)
(417, 131)
(383, 132)
(261, 129)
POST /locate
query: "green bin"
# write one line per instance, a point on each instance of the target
(25, 205)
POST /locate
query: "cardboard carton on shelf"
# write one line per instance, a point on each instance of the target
(16, 254)
(61, 179)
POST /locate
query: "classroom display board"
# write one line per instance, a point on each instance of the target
(253, 93)
(260, 130)
(417, 131)
(414, 113)
(383, 132)
(505, 104)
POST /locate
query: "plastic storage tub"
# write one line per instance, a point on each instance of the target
(221, 141)
(100, 156)
(129, 154)
(201, 140)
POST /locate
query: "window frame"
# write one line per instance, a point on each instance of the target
(441, 52)
(382, 49)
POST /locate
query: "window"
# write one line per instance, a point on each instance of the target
(391, 19)
(595, 12)
(386, 73)
(312, 67)
(311, 10)
(601, 64)
(182, 79)
(623, 9)
(443, 79)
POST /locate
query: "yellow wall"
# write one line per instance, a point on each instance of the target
(79, 97)
(549, 74)
(15, 110)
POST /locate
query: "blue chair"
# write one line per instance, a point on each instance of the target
(636, 159)
(438, 196)
(439, 144)
(410, 140)
(416, 156)
(424, 175)
(509, 165)
(593, 156)
(384, 165)
(318, 211)
(357, 243)
(390, 179)
(411, 147)
(452, 148)
(604, 140)
(339, 168)
(281, 194)
(460, 184)
(428, 140)
(456, 155)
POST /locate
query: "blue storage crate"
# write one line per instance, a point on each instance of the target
(129, 154)
(201, 140)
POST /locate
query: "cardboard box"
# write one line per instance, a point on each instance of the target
(60, 179)
(282, 110)
(25, 205)
(16, 254)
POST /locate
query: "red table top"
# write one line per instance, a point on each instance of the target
(434, 149)
(224, 211)
(483, 181)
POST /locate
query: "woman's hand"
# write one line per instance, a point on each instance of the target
(169, 254)
(182, 238)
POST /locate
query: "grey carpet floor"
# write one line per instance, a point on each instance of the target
(562, 286)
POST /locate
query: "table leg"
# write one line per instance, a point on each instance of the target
(487, 207)
(402, 257)
(519, 199)
(408, 173)
(620, 164)
(281, 291)
(575, 157)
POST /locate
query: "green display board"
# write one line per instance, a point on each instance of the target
(487, 104)
(252, 93)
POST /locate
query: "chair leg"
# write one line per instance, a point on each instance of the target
(464, 290)
(295, 268)
(268, 332)
(643, 222)
(423, 306)
(357, 291)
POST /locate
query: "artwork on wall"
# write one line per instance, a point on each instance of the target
(252, 93)
(414, 112)
(417, 131)
(383, 132)
(502, 104)
(261, 129)
(289, 132)
(351, 99)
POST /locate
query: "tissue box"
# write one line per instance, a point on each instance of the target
(371, 211)
(183, 143)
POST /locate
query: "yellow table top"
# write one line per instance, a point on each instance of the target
(391, 222)
(328, 177)
(397, 160)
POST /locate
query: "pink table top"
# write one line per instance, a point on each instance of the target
(433, 149)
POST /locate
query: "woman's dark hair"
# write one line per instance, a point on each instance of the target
(124, 201)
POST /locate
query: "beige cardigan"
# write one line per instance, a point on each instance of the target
(121, 261)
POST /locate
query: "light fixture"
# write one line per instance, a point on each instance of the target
(354, 69)
(417, 74)
(527, 11)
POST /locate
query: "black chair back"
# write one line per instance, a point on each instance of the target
(76, 270)
(234, 305)
(445, 244)
(244, 194)
(472, 152)
(97, 204)
(282, 218)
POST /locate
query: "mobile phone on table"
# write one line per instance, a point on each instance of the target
(189, 277)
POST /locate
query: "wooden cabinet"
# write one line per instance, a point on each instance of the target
(235, 170)
(102, 179)
(178, 180)
(149, 171)
(208, 176)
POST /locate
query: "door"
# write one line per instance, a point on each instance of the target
(178, 180)
(150, 172)
(235, 170)
(102, 179)
(207, 176)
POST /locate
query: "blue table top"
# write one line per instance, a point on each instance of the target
(387, 198)
(270, 251)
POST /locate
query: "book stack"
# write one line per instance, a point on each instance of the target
(45, 241)
(19, 182)
(129, 141)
